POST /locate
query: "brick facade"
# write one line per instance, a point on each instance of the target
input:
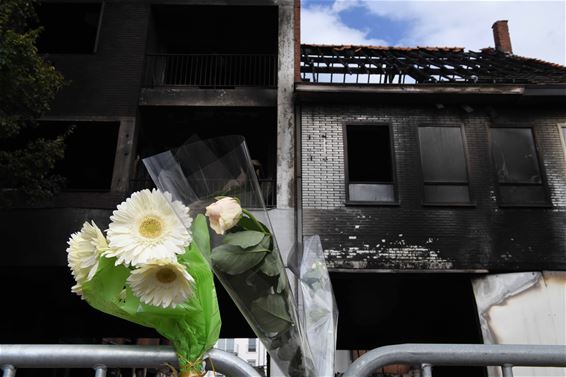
(410, 236)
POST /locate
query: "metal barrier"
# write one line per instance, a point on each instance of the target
(428, 355)
(101, 357)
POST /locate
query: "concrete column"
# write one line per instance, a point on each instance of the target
(285, 112)
(125, 154)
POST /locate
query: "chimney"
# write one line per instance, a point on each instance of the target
(501, 37)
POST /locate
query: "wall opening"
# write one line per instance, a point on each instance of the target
(166, 128)
(68, 28)
(369, 163)
(90, 150)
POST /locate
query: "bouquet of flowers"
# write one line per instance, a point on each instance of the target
(151, 269)
(216, 177)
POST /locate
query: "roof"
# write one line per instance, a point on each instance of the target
(422, 65)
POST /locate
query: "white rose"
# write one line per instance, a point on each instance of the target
(224, 214)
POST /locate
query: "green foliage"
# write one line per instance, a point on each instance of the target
(28, 86)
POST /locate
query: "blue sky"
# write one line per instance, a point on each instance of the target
(537, 28)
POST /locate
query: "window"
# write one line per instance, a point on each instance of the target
(229, 345)
(68, 27)
(369, 167)
(252, 345)
(444, 168)
(89, 153)
(517, 165)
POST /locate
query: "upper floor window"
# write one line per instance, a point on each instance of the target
(518, 169)
(444, 167)
(369, 166)
(69, 27)
(252, 345)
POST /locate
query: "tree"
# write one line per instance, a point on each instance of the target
(28, 85)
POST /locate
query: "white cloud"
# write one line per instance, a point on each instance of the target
(322, 25)
(537, 28)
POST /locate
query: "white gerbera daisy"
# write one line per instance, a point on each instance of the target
(161, 283)
(83, 254)
(149, 225)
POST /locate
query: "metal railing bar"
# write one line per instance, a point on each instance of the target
(111, 356)
(426, 370)
(507, 370)
(100, 371)
(459, 354)
(8, 371)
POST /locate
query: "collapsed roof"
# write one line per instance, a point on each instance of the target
(345, 64)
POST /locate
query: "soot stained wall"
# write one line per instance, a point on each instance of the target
(410, 236)
(106, 82)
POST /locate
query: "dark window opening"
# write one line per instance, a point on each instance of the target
(517, 165)
(212, 46)
(68, 27)
(369, 163)
(443, 161)
(89, 153)
(252, 345)
(168, 128)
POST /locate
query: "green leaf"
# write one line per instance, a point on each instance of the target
(244, 239)
(200, 235)
(271, 313)
(263, 246)
(281, 282)
(249, 222)
(271, 265)
(233, 259)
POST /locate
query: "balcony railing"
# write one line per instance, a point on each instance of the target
(211, 70)
(245, 195)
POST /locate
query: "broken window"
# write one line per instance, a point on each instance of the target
(444, 166)
(517, 165)
(68, 28)
(369, 165)
(90, 149)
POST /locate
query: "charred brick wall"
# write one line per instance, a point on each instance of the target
(411, 236)
(107, 82)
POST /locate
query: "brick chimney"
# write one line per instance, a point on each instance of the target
(501, 37)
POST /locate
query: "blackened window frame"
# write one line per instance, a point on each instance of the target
(543, 177)
(96, 41)
(471, 202)
(348, 202)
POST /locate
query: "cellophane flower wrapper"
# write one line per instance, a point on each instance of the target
(193, 327)
(317, 309)
(246, 259)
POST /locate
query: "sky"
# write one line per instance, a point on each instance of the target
(537, 28)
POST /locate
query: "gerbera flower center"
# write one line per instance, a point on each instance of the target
(151, 227)
(166, 275)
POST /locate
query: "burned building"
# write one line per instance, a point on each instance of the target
(422, 169)
(426, 169)
(143, 77)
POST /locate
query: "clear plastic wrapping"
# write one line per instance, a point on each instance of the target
(317, 306)
(246, 259)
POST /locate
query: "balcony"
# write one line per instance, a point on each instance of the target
(231, 80)
(247, 199)
(211, 71)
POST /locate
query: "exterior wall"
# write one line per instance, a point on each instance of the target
(107, 82)
(410, 236)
